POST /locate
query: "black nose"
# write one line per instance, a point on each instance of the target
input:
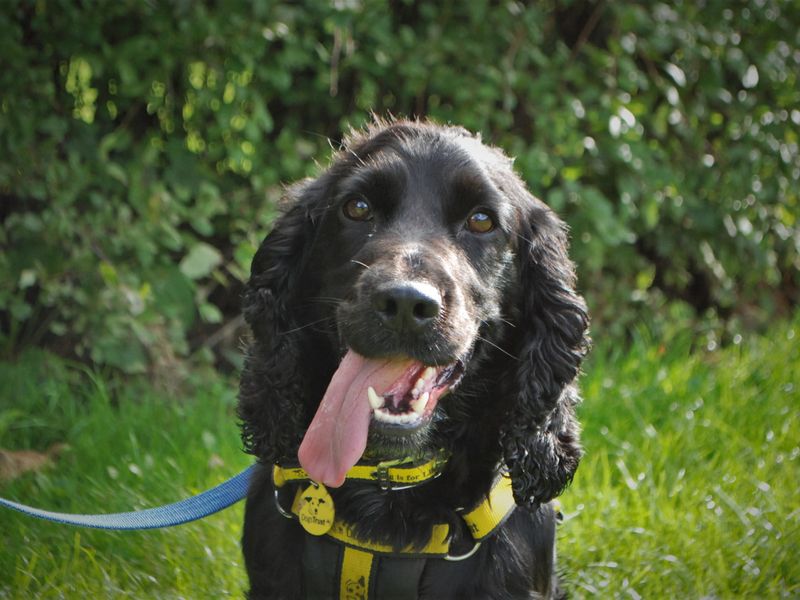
(407, 306)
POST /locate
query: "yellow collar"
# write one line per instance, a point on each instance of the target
(392, 474)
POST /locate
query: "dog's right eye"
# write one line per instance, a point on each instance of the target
(357, 209)
(480, 222)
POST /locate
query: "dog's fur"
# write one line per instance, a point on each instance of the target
(509, 312)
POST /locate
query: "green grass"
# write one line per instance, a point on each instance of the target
(688, 489)
(130, 448)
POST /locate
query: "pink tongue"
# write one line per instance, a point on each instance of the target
(337, 436)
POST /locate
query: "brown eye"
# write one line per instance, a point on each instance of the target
(357, 209)
(480, 222)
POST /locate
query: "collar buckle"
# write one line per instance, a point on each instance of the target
(382, 476)
(387, 482)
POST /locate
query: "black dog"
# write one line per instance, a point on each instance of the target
(413, 306)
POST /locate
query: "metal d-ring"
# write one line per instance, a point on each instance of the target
(464, 556)
(280, 508)
(283, 512)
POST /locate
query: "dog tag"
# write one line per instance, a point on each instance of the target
(315, 510)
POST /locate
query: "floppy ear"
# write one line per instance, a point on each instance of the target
(540, 437)
(272, 388)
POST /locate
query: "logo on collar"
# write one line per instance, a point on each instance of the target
(314, 509)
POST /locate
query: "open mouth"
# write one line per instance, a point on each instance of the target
(394, 395)
(411, 399)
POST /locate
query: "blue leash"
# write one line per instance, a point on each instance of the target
(190, 509)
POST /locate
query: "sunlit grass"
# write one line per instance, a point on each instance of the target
(688, 489)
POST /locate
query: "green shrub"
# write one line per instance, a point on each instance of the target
(144, 146)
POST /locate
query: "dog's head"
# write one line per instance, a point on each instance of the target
(415, 295)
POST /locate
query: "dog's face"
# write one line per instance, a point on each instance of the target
(415, 252)
(418, 250)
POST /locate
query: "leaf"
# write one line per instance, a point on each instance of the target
(117, 172)
(27, 278)
(174, 296)
(200, 261)
(210, 313)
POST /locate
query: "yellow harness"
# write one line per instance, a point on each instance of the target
(313, 508)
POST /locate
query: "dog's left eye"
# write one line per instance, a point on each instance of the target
(480, 222)
(357, 209)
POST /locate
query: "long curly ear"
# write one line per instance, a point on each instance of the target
(540, 438)
(271, 388)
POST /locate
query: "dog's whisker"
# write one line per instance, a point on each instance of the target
(358, 262)
(523, 238)
(507, 322)
(325, 300)
(499, 318)
(305, 326)
(493, 345)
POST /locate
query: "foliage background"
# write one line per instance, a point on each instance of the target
(143, 148)
(144, 145)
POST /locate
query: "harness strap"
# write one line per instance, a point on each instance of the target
(356, 577)
(490, 514)
(331, 570)
(341, 532)
(481, 521)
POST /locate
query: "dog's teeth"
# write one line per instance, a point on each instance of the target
(420, 384)
(375, 401)
(418, 405)
(429, 373)
(385, 416)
